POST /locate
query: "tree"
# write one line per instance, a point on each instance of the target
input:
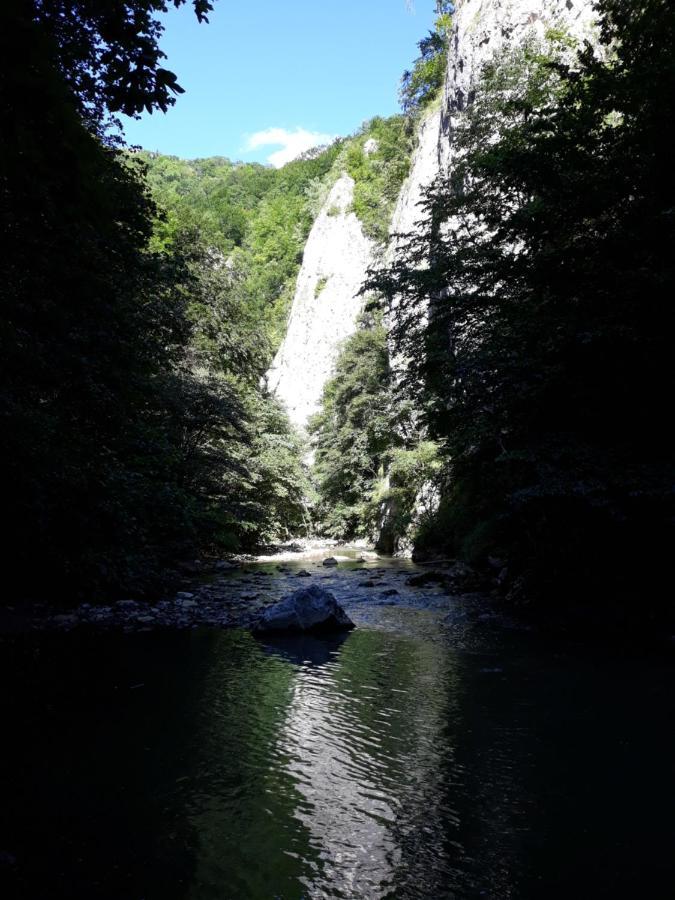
(108, 438)
(352, 432)
(537, 334)
(421, 84)
(107, 51)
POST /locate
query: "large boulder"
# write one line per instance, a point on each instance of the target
(308, 609)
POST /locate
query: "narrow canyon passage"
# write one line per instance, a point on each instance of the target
(338, 485)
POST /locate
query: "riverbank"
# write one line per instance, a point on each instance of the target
(232, 593)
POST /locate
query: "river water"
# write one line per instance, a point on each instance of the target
(419, 756)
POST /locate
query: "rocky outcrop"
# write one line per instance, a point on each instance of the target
(309, 609)
(338, 254)
(483, 27)
(326, 305)
(424, 168)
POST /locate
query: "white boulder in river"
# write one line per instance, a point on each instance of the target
(309, 609)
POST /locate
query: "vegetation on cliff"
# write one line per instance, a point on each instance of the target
(543, 365)
(422, 84)
(378, 159)
(371, 460)
(255, 216)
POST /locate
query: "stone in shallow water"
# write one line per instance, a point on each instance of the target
(308, 609)
(186, 602)
(330, 561)
(66, 620)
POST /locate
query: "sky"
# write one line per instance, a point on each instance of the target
(267, 79)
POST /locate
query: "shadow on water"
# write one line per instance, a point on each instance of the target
(304, 649)
(213, 766)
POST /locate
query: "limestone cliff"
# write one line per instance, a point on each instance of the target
(480, 29)
(325, 307)
(338, 253)
(483, 27)
(424, 168)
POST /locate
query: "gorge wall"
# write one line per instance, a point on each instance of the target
(325, 306)
(338, 254)
(483, 27)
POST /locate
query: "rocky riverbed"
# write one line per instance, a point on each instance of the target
(235, 593)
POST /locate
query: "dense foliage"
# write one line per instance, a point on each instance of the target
(351, 432)
(134, 432)
(422, 84)
(537, 334)
(257, 216)
(370, 462)
(378, 159)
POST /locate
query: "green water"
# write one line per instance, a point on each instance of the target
(395, 763)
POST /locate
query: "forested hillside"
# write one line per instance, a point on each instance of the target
(135, 434)
(255, 216)
(137, 431)
(258, 218)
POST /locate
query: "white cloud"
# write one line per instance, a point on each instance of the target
(292, 143)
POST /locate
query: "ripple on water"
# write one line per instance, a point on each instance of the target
(385, 763)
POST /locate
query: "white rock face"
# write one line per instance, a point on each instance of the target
(424, 167)
(338, 254)
(325, 307)
(483, 27)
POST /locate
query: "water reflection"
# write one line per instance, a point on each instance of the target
(387, 765)
(336, 763)
(304, 649)
(342, 765)
(356, 765)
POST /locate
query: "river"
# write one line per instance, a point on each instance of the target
(419, 756)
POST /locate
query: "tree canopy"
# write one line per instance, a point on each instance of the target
(537, 333)
(135, 432)
(107, 51)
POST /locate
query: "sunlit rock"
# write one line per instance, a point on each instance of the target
(308, 609)
(325, 307)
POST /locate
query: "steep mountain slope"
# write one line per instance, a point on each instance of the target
(398, 484)
(326, 304)
(338, 255)
(483, 27)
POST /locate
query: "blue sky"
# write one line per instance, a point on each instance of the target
(267, 78)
